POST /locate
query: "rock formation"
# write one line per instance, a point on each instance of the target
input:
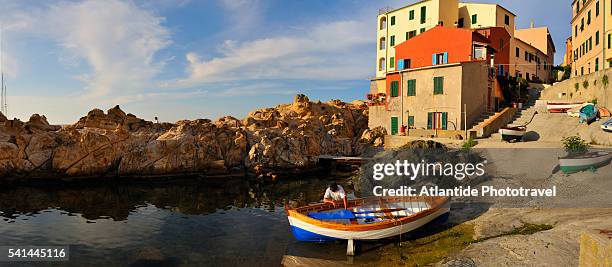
(282, 139)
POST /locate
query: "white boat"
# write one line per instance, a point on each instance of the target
(513, 133)
(562, 107)
(366, 219)
(586, 161)
(607, 126)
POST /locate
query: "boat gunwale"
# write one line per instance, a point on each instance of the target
(436, 203)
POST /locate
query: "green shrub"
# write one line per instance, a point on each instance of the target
(594, 101)
(577, 86)
(469, 143)
(575, 145)
(604, 80)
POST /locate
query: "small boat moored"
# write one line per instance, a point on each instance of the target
(607, 126)
(366, 219)
(583, 162)
(588, 113)
(513, 133)
(561, 107)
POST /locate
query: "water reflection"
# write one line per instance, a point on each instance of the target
(117, 201)
(182, 223)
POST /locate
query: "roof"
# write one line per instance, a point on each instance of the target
(476, 36)
(471, 3)
(407, 6)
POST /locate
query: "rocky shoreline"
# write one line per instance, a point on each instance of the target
(270, 141)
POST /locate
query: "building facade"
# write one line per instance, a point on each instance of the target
(591, 36)
(436, 82)
(402, 24)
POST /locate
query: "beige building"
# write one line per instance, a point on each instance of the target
(435, 98)
(538, 44)
(398, 25)
(591, 36)
(529, 62)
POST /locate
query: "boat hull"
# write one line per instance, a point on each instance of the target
(313, 232)
(512, 134)
(607, 126)
(561, 107)
(571, 165)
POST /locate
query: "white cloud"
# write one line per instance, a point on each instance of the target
(243, 14)
(117, 40)
(323, 52)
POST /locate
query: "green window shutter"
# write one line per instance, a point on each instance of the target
(411, 15)
(444, 118)
(423, 14)
(411, 87)
(394, 88)
(411, 121)
(392, 62)
(407, 36)
(474, 18)
(422, 30)
(438, 85)
(597, 38)
(392, 20)
(392, 41)
(430, 120)
(394, 126)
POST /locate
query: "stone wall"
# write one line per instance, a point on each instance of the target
(566, 91)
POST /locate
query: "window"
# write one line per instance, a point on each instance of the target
(597, 38)
(518, 52)
(440, 23)
(474, 18)
(526, 56)
(576, 30)
(382, 64)
(460, 23)
(410, 34)
(392, 40)
(438, 85)
(581, 71)
(507, 19)
(410, 121)
(383, 23)
(411, 85)
(423, 14)
(411, 15)
(383, 43)
(392, 20)
(437, 120)
(609, 40)
(422, 30)
(596, 64)
(439, 59)
(392, 62)
(394, 88)
(394, 126)
(479, 53)
(590, 43)
(405, 63)
(597, 9)
(582, 24)
(589, 18)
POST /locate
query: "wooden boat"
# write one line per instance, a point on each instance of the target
(513, 133)
(588, 113)
(366, 219)
(582, 162)
(607, 126)
(561, 107)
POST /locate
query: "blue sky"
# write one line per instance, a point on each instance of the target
(186, 59)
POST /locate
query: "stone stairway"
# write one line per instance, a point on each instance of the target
(480, 122)
(524, 115)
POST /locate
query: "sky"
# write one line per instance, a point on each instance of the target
(182, 59)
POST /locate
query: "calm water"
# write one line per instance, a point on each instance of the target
(179, 223)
